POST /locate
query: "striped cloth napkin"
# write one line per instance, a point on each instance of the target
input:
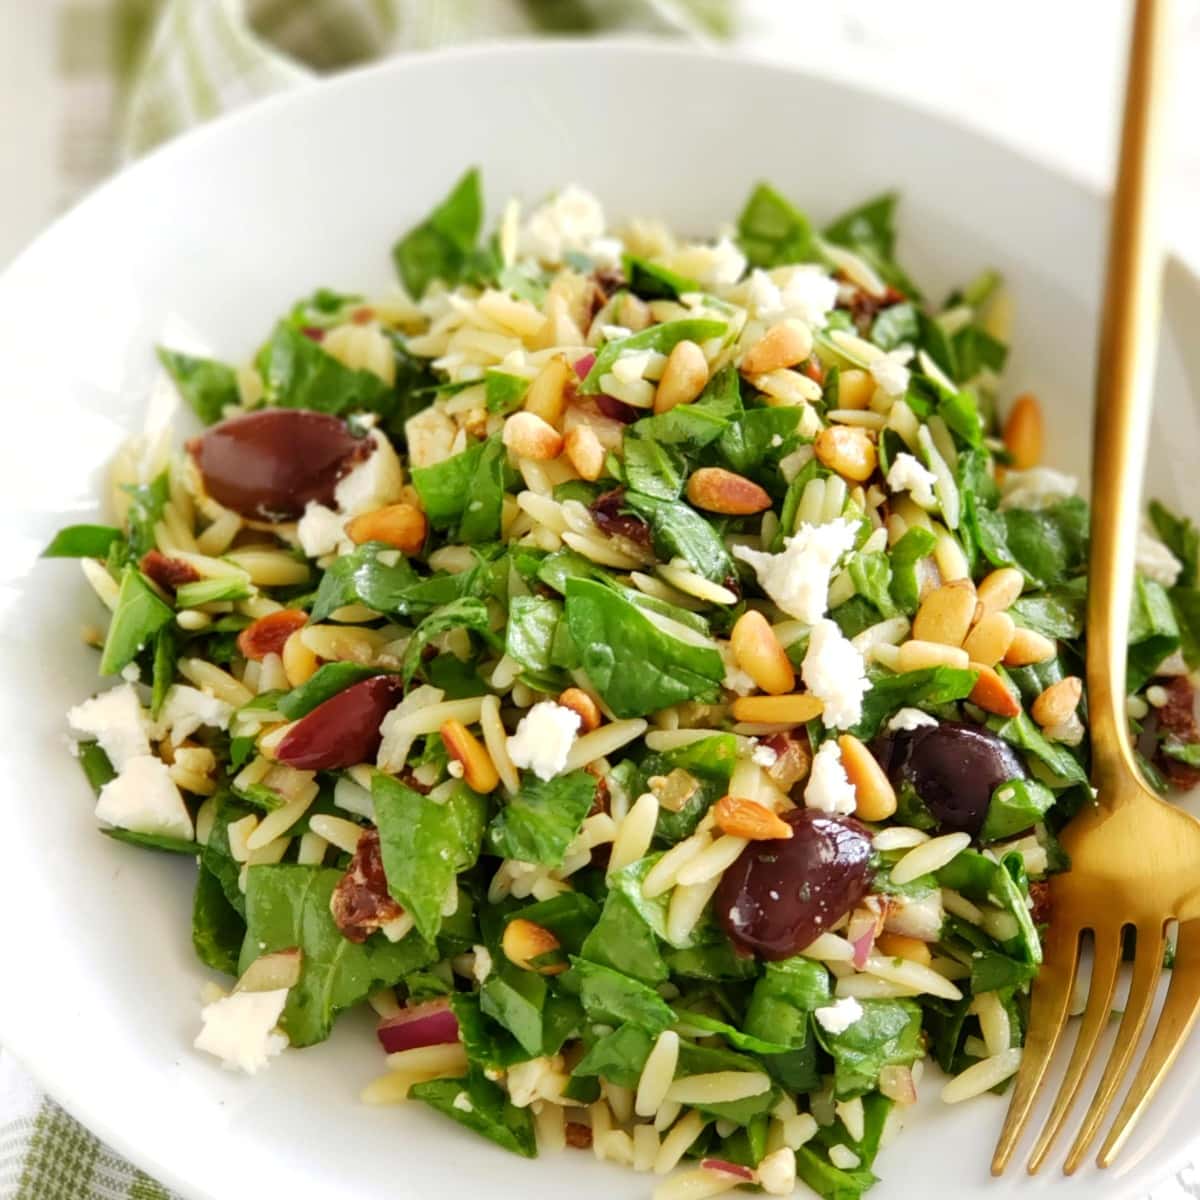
(137, 72)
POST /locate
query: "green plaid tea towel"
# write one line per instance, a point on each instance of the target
(137, 72)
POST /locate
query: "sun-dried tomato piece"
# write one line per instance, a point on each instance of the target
(268, 634)
(1178, 718)
(579, 1137)
(864, 308)
(606, 512)
(168, 573)
(360, 903)
(1039, 894)
(600, 802)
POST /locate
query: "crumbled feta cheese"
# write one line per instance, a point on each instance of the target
(908, 475)
(483, 964)
(430, 437)
(1037, 487)
(116, 720)
(776, 441)
(144, 798)
(187, 708)
(834, 671)
(829, 788)
(376, 481)
(890, 372)
(736, 680)
(763, 756)
(543, 739)
(1155, 560)
(463, 1103)
(797, 579)
(840, 1015)
(572, 220)
(319, 530)
(908, 719)
(240, 1029)
(606, 251)
(806, 292)
(131, 672)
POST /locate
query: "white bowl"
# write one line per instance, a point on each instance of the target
(213, 237)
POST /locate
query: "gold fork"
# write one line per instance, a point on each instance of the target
(1135, 859)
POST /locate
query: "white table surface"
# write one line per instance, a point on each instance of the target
(1044, 75)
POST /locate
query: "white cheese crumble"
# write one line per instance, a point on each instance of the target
(908, 475)
(187, 708)
(606, 251)
(719, 265)
(144, 798)
(908, 719)
(482, 965)
(543, 739)
(890, 372)
(376, 481)
(797, 579)
(572, 220)
(835, 672)
(806, 292)
(1037, 487)
(319, 530)
(240, 1029)
(463, 1103)
(840, 1015)
(736, 680)
(829, 788)
(116, 720)
(763, 756)
(1155, 560)
(131, 672)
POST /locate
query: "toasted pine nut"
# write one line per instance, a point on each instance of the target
(479, 772)
(1024, 432)
(989, 641)
(855, 388)
(547, 394)
(400, 525)
(683, 378)
(916, 655)
(1058, 702)
(748, 819)
(1028, 647)
(874, 796)
(783, 345)
(899, 945)
(528, 436)
(1000, 588)
(585, 451)
(759, 653)
(848, 450)
(299, 662)
(991, 693)
(945, 614)
(718, 490)
(578, 701)
(523, 942)
(793, 709)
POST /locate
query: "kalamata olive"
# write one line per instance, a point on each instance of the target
(780, 895)
(343, 730)
(268, 465)
(954, 768)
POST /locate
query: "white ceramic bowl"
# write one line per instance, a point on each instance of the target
(213, 237)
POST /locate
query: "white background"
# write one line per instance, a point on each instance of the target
(1042, 74)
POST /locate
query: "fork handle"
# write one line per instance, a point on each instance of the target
(1128, 345)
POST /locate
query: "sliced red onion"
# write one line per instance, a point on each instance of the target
(432, 1023)
(863, 946)
(584, 365)
(727, 1168)
(618, 410)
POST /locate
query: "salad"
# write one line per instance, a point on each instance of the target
(645, 671)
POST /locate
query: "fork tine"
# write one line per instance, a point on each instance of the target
(1048, 1015)
(1174, 1023)
(1147, 968)
(1106, 959)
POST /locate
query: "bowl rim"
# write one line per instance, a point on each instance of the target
(21, 1041)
